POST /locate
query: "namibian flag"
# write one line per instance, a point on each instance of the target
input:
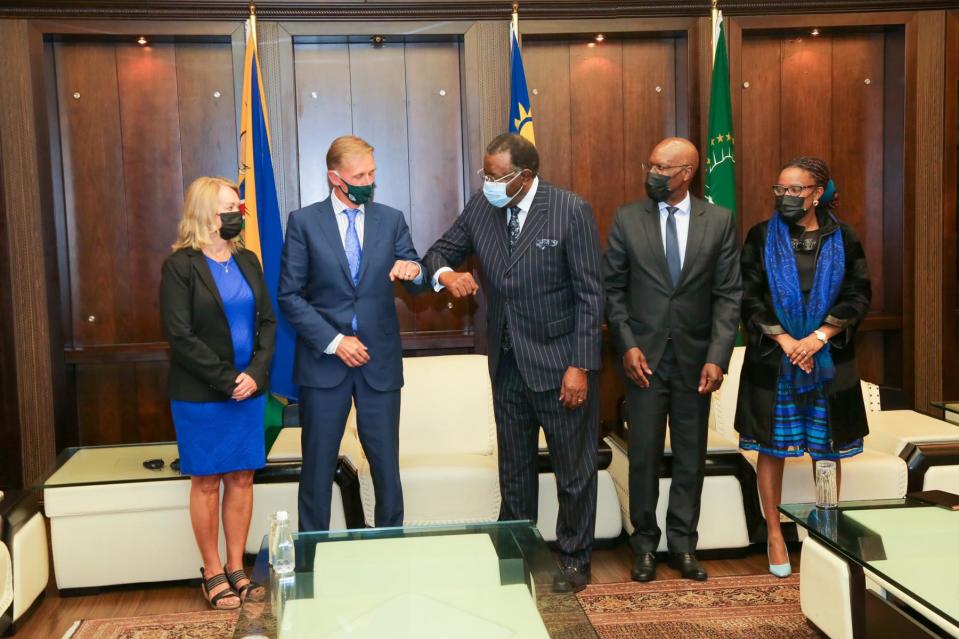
(263, 232)
(520, 109)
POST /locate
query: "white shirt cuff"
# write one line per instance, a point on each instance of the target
(436, 278)
(333, 345)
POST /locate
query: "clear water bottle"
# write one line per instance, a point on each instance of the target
(282, 556)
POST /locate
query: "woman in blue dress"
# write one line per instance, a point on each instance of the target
(219, 322)
(805, 290)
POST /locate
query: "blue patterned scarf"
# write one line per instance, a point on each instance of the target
(800, 318)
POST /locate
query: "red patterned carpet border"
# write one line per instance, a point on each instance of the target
(209, 624)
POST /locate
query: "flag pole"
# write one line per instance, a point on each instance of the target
(253, 21)
(515, 22)
(716, 17)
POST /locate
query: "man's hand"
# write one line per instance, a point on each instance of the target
(710, 379)
(245, 387)
(458, 284)
(404, 270)
(575, 388)
(352, 351)
(637, 370)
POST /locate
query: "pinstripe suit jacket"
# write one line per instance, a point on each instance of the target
(550, 287)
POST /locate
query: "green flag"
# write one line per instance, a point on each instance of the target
(720, 154)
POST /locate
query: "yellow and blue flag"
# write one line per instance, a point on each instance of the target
(263, 231)
(520, 109)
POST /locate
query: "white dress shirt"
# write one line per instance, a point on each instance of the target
(682, 225)
(524, 206)
(343, 223)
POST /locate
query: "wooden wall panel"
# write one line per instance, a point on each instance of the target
(596, 79)
(547, 66)
(205, 106)
(857, 157)
(758, 144)
(324, 111)
(150, 134)
(123, 403)
(434, 121)
(649, 105)
(95, 190)
(806, 92)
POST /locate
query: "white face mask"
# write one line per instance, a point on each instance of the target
(495, 192)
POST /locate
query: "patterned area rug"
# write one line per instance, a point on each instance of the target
(723, 607)
(210, 624)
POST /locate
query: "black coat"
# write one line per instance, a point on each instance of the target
(196, 327)
(757, 388)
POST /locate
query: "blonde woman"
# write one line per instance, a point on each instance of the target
(219, 321)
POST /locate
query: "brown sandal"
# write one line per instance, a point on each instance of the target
(207, 585)
(251, 590)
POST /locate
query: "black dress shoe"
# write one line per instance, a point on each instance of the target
(571, 578)
(644, 568)
(687, 565)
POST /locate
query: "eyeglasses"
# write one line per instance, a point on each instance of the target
(650, 167)
(793, 189)
(490, 178)
(158, 464)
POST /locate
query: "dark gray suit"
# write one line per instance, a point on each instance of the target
(679, 329)
(549, 288)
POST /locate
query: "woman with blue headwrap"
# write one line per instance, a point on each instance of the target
(805, 290)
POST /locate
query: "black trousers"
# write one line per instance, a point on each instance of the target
(688, 412)
(571, 436)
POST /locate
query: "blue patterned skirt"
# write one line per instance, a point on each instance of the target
(800, 426)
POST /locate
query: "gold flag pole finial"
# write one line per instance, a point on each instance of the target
(715, 4)
(515, 21)
(253, 20)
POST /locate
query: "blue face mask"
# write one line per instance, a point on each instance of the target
(495, 192)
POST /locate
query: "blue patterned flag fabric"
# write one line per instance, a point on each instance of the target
(520, 109)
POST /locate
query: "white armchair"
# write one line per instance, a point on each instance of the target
(447, 443)
(24, 563)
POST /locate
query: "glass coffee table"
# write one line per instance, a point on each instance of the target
(909, 544)
(950, 410)
(488, 581)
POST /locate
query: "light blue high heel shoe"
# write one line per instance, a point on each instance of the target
(779, 570)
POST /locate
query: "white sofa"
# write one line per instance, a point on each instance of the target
(448, 456)
(140, 532)
(24, 563)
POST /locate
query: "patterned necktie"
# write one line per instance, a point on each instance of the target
(672, 245)
(354, 252)
(513, 227)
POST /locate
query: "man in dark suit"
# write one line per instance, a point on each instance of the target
(340, 260)
(673, 291)
(539, 252)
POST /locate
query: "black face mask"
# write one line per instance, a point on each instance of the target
(790, 208)
(657, 187)
(230, 225)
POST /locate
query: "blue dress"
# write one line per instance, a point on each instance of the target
(227, 436)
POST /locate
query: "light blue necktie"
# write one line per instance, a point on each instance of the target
(354, 252)
(672, 245)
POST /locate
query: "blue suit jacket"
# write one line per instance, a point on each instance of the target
(317, 295)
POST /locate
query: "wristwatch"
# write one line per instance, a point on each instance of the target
(821, 337)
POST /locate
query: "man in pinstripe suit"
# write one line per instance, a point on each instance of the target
(674, 290)
(539, 251)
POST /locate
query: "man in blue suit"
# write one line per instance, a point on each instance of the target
(340, 260)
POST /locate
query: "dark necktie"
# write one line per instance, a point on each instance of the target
(513, 229)
(672, 245)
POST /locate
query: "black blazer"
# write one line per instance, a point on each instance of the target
(550, 287)
(195, 325)
(760, 376)
(700, 314)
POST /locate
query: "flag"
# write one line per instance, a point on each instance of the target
(720, 186)
(720, 155)
(520, 110)
(263, 232)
